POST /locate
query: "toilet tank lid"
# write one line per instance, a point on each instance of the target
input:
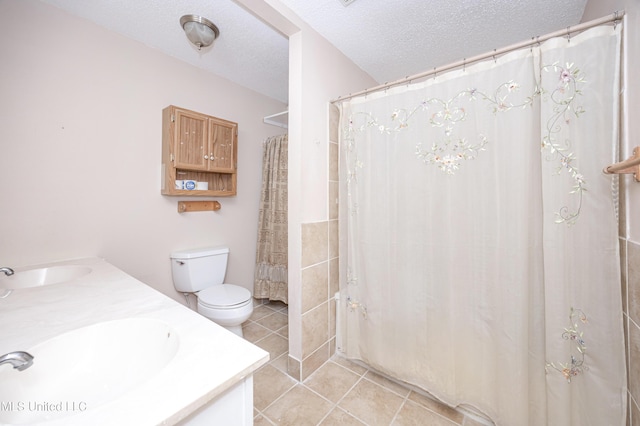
(199, 252)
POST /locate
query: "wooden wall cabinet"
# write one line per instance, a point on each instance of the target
(198, 147)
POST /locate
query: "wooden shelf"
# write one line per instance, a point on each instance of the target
(198, 206)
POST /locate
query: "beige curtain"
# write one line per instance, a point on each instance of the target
(481, 246)
(271, 254)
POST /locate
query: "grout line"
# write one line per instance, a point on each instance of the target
(263, 337)
(347, 368)
(345, 395)
(277, 399)
(336, 405)
(271, 363)
(261, 414)
(369, 372)
(404, 397)
(404, 401)
(333, 404)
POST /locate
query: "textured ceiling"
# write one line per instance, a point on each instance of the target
(392, 39)
(247, 52)
(389, 39)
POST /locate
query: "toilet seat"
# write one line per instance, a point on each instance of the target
(224, 296)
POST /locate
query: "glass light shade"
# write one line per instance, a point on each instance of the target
(199, 31)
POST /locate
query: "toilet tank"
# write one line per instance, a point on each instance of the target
(196, 269)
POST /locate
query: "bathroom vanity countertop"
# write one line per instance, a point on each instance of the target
(209, 359)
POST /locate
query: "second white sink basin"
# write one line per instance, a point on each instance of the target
(84, 368)
(43, 276)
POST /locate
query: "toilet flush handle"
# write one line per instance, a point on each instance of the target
(179, 262)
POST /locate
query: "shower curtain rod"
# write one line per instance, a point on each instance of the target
(614, 17)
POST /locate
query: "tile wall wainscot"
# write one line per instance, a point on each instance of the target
(630, 254)
(630, 268)
(320, 275)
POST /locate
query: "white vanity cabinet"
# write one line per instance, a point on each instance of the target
(207, 381)
(233, 408)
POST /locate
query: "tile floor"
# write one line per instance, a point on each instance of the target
(340, 392)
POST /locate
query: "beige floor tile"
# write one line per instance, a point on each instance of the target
(260, 312)
(332, 381)
(356, 368)
(371, 403)
(389, 384)
(413, 414)
(269, 384)
(253, 331)
(340, 417)
(298, 407)
(281, 362)
(274, 321)
(436, 407)
(371, 400)
(284, 331)
(274, 344)
(261, 421)
(277, 305)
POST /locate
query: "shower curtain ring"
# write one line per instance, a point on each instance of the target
(537, 42)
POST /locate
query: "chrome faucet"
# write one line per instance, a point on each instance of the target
(7, 271)
(19, 359)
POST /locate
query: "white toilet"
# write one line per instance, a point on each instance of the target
(201, 271)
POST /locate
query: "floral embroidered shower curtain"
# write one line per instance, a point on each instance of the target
(482, 256)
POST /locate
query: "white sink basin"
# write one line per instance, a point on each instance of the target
(43, 276)
(84, 368)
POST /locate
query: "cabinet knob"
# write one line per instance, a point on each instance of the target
(206, 157)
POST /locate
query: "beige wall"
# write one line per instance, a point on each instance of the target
(80, 116)
(318, 73)
(325, 74)
(630, 190)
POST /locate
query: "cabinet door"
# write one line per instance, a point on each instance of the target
(191, 140)
(223, 149)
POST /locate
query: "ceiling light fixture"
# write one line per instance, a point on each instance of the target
(200, 31)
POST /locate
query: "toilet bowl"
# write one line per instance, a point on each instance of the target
(227, 305)
(201, 272)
